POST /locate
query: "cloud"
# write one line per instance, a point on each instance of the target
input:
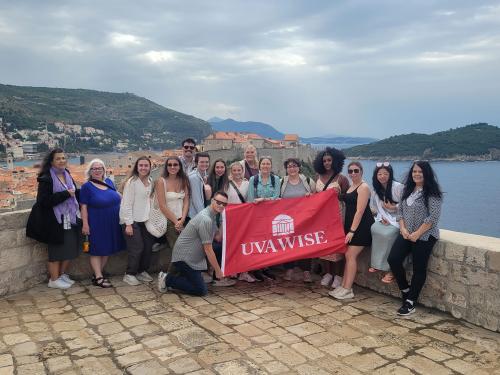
(120, 40)
(158, 57)
(71, 44)
(312, 67)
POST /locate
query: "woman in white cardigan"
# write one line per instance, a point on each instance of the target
(134, 211)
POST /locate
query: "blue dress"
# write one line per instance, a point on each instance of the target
(103, 208)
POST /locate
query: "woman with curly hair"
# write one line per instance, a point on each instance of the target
(418, 216)
(328, 165)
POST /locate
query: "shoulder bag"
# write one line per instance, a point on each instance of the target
(157, 222)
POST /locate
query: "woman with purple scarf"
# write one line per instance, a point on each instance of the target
(54, 219)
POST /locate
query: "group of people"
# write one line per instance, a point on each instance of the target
(184, 204)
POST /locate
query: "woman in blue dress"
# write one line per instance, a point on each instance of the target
(100, 207)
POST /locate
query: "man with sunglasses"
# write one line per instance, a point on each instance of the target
(187, 157)
(193, 247)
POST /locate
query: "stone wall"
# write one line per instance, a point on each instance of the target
(462, 279)
(463, 276)
(23, 261)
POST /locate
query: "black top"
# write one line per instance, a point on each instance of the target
(42, 224)
(363, 235)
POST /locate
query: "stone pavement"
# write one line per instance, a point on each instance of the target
(261, 328)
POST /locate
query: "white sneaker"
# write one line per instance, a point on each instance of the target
(245, 276)
(144, 277)
(131, 280)
(288, 275)
(337, 281)
(307, 277)
(224, 282)
(58, 284)
(65, 277)
(342, 293)
(327, 279)
(162, 287)
(207, 278)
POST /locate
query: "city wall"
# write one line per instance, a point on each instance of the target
(463, 277)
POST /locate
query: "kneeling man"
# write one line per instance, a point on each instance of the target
(191, 248)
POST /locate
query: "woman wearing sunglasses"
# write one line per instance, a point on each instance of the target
(418, 215)
(384, 201)
(357, 224)
(172, 192)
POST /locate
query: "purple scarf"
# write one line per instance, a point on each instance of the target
(70, 205)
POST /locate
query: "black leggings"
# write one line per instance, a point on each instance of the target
(421, 252)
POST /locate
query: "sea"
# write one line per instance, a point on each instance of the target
(471, 192)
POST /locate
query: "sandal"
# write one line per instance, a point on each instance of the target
(388, 278)
(372, 270)
(102, 282)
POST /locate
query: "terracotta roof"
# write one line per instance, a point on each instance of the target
(291, 137)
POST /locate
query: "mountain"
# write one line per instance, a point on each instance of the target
(230, 125)
(124, 117)
(269, 131)
(475, 141)
(215, 119)
(332, 140)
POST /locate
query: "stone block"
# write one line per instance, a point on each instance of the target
(476, 257)
(456, 299)
(454, 252)
(494, 260)
(14, 220)
(439, 266)
(12, 258)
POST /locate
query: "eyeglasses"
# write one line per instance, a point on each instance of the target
(351, 171)
(97, 169)
(384, 164)
(186, 147)
(219, 203)
(292, 166)
(172, 165)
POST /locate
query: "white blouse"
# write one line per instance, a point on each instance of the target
(135, 202)
(233, 195)
(378, 204)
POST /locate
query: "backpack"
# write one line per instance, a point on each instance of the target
(256, 183)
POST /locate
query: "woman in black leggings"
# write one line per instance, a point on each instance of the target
(418, 217)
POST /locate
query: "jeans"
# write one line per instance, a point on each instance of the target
(421, 252)
(139, 247)
(187, 280)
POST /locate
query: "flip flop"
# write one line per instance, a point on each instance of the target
(388, 278)
(372, 270)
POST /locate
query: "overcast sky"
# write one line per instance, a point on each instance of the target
(360, 68)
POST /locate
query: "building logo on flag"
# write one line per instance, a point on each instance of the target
(282, 225)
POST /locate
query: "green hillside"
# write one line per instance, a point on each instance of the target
(122, 116)
(476, 140)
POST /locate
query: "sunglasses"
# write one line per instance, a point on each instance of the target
(384, 164)
(219, 203)
(351, 171)
(172, 165)
(189, 147)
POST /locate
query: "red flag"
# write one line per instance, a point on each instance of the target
(281, 231)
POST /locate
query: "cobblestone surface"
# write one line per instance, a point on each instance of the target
(261, 328)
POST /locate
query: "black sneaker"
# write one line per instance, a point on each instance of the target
(406, 309)
(267, 273)
(258, 275)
